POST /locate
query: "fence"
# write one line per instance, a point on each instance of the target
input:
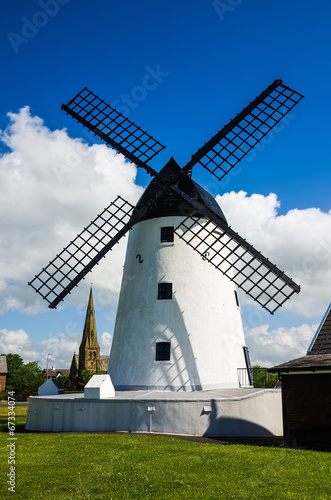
(257, 377)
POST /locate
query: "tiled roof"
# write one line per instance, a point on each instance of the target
(306, 363)
(318, 356)
(58, 371)
(321, 343)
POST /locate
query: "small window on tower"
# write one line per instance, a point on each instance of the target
(164, 291)
(162, 351)
(236, 297)
(167, 234)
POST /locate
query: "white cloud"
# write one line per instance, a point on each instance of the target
(299, 243)
(105, 343)
(15, 342)
(271, 347)
(51, 186)
(61, 346)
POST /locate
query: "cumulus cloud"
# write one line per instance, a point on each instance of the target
(61, 346)
(271, 347)
(298, 242)
(51, 186)
(105, 343)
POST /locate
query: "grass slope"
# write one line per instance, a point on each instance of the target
(106, 466)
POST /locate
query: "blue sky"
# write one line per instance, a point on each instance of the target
(211, 59)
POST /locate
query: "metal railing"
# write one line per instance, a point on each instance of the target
(260, 377)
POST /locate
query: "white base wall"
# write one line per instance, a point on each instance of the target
(242, 412)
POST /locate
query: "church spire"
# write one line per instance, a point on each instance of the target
(89, 350)
(90, 339)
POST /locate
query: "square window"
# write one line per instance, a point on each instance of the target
(167, 234)
(162, 352)
(164, 291)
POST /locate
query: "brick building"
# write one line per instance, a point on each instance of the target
(3, 373)
(306, 392)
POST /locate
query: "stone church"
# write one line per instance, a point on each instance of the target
(89, 350)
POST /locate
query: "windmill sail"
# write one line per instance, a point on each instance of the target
(209, 234)
(114, 128)
(236, 139)
(228, 252)
(69, 267)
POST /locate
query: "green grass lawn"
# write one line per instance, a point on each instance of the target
(20, 417)
(125, 466)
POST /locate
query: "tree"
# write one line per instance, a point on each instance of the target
(14, 365)
(262, 378)
(22, 378)
(65, 382)
(83, 377)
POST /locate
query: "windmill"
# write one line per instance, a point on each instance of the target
(165, 335)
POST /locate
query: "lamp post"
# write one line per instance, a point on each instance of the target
(48, 355)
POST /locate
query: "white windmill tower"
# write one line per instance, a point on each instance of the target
(178, 324)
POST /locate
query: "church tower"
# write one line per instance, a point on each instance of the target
(89, 350)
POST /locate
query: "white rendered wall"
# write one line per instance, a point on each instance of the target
(99, 387)
(202, 321)
(259, 413)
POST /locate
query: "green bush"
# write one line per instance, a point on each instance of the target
(262, 378)
(23, 379)
(83, 378)
(65, 381)
(4, 396)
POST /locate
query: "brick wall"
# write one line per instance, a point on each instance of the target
(2, 382)
(307, 409)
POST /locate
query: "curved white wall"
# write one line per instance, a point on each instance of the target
(202, 321)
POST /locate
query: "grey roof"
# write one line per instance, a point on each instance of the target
(58, 371)
(171, 203)
(318, 356)
(209, 200)
(56, 383)
(321, 343)
(3, 364)
(306, 363)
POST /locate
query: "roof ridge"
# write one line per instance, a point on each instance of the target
(321, 342)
